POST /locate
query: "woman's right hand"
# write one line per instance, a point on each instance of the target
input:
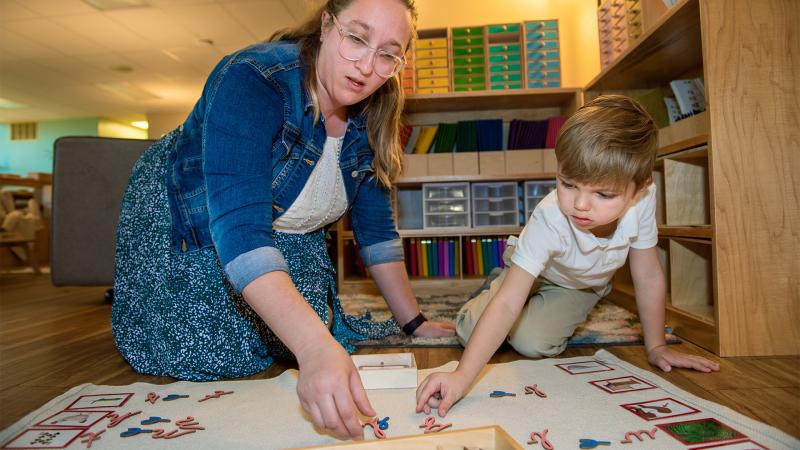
(330, 390)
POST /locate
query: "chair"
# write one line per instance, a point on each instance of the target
(90, 175)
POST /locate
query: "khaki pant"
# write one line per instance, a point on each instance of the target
(546, 322)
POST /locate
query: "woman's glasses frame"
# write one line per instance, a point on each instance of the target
(353, 47)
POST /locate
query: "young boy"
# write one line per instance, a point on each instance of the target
(563, 261)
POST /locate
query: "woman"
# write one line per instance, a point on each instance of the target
(221, 258)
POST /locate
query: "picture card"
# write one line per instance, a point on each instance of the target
(577, 368)
(700, 431)
(622, 384)
(738, 445)
(73, 419)
(44, 438)
(660, 409)
(100, 401)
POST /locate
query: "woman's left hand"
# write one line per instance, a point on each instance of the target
(432, 328)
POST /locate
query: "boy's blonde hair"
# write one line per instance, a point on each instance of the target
(610, 140)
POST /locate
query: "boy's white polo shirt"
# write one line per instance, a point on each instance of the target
(551, 247)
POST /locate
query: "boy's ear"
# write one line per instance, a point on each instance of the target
(642, 190)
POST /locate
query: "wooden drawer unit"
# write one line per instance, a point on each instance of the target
(542, 53)
(469, 67)
(431, 61)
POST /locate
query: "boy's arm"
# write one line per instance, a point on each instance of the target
(443, 390)
(496, 321)
(651, 293)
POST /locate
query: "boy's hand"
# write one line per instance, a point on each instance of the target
(441, 391)
(666, 358)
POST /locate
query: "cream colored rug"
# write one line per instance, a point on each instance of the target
(601, 398)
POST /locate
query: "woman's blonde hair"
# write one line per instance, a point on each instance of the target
(383, 109)
(612, 139)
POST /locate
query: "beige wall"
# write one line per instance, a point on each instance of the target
(163, 123)
(577, 20)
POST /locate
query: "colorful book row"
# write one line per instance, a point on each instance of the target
(432, 257)
(482, 254)
(481, 135)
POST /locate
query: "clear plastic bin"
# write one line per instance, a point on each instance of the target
(535, 191)
(495, 219)
(445, 190)
(446, 220)
(446, 206)
(494, 204)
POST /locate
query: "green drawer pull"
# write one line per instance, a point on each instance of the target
(478, 79)
(468, 61)
(504, 48)
(508, 28)
(463, 51)
(506, 77)
(469, 70)
(504, 68)
(468, 31)
(504, 58)
(503, 86)
(472, 41)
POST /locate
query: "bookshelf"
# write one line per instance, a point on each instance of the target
(727, 177)
(424, 109)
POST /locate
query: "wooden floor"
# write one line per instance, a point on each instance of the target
(54, 338)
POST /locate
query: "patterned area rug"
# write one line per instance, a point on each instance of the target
(608, 324)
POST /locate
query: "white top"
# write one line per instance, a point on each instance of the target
(323, 198)
(552, 247)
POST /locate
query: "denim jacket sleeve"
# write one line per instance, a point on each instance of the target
(237, 165)
(373, 223)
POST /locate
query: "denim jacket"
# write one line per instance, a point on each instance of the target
(243, 156)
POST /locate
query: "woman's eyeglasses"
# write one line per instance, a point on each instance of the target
(353, 48)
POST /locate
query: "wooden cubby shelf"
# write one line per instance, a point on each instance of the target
(671, 47)
(725, 265)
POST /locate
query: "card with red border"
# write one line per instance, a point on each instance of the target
(700, 431)
(661, 408)
(99, 401)
(73, 419)
(622, 384)
(580, 367)
(739, 445)
(44, 438)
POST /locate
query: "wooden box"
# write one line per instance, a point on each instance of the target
(465, 163)
(484, 438)
(415, 165)
(492, 163)
(520, 162)
(387, 371)
(440, 164)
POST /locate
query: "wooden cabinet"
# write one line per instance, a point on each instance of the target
(728, 209)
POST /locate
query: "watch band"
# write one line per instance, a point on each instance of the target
(413, 324)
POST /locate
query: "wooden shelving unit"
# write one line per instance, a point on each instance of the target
(727, 207)
(424, 109)
(724, 176)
